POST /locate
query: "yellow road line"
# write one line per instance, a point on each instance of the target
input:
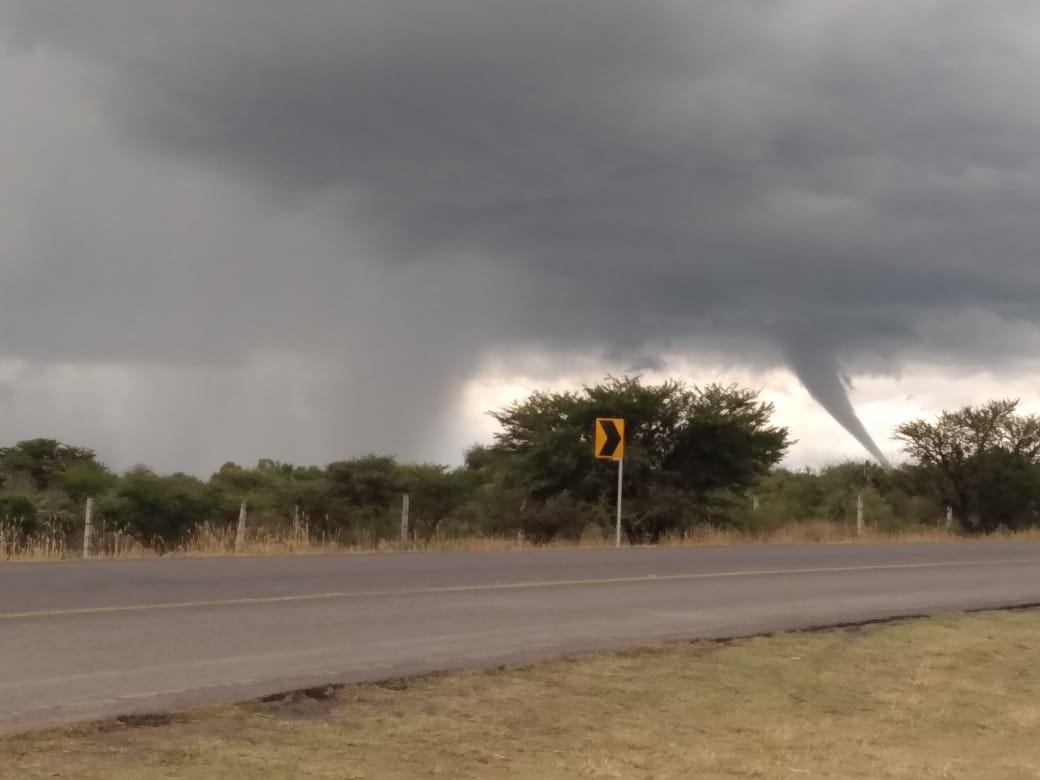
(490, 587)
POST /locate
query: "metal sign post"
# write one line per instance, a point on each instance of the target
(617, 530)
(610, 445)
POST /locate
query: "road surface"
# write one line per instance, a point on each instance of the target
(94, 639)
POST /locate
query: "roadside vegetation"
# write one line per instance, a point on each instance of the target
(951, 696)
(702, 465)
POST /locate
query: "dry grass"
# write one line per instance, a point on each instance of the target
(949, 697)
(48, 546)
(824, 532)
(217, 541)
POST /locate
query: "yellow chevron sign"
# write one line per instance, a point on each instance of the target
(610, 438)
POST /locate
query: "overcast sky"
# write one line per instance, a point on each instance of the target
(245, 228)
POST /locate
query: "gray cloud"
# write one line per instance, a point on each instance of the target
(407, 186)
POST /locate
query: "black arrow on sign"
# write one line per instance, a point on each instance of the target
(612, 441)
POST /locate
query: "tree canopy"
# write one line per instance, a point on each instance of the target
(980, 460)
(694, 456)
(686, 450)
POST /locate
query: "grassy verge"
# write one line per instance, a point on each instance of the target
(948, 697)
(213, 542)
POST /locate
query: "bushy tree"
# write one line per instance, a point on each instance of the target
(371, 481)
(43, 461)
(892, 497)
(685, 448)
(84, 480)
(152, 507)
(435, 493)
(982, 461)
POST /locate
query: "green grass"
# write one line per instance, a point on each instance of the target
(946, 697)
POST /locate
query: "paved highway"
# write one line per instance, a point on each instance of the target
(99, 638)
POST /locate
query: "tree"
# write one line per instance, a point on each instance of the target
(153, 507)
(983, 461)
(86, 479)
(369, 482)
(435, 492)
(42, 461)
(685, 448)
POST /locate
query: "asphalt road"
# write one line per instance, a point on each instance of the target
(94, 639)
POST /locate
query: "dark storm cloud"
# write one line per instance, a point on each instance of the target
(817, 183)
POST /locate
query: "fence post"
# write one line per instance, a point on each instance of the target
(240, 533)
(405, 505)
(88, 529)
(859, 515)
(949, 518)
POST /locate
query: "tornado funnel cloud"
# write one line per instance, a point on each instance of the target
(822, 377)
